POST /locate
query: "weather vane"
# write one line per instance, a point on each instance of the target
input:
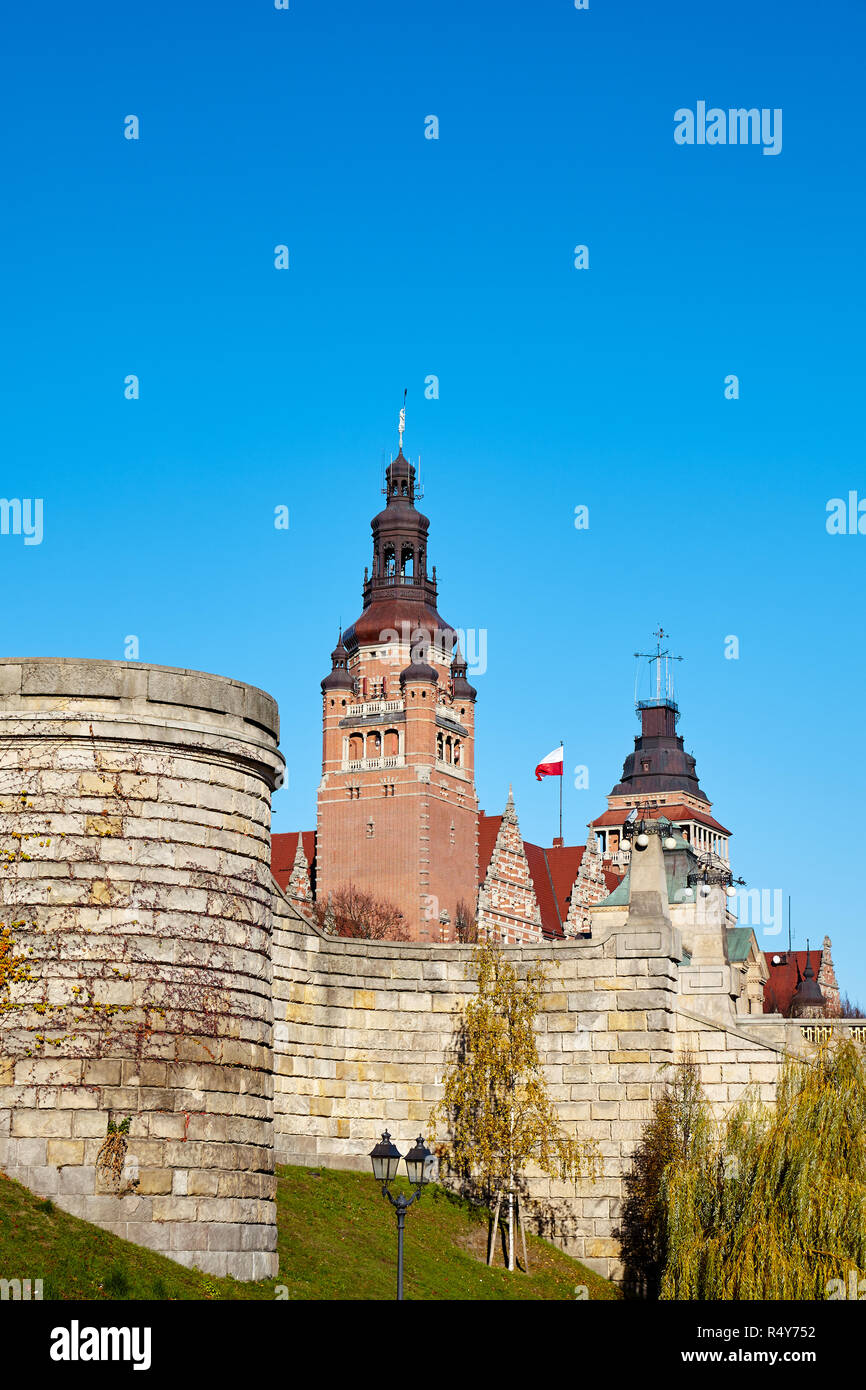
(659, 656)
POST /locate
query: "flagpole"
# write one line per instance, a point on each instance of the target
(561, 780)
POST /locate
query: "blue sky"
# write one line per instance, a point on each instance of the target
(411, 257)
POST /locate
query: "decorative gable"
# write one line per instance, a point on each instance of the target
(299, 890)
(590, 887)
(507, 905)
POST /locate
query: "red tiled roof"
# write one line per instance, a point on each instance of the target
(784, 978)
(283, 851)
(553, 871)
(488, 829)
(673, 813)
(551, 903)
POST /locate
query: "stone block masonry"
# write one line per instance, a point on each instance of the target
(135, 953)
(363, 1032)
(365, 1029)
(170, 1024)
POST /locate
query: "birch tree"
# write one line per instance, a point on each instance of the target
(495, 1105)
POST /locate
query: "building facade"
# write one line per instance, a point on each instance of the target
(397, 813)
(397, 810)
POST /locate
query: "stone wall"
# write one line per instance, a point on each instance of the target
(135, 971)
(169, 1023)
(364, 1030)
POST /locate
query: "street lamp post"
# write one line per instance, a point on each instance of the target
(385, 1158)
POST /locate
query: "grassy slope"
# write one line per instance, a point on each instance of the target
(337, 1240)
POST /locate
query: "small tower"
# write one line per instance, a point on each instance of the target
(397, 809)
(808, 1001)
(659, 776)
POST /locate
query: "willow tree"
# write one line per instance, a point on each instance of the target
(679, 1127)
(495, 1105)
(771, 1203)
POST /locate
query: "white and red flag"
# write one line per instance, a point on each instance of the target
(551, 766)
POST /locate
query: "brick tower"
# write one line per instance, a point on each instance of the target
(397, 810)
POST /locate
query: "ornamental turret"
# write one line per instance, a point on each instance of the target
(339, 678)
(460, 687)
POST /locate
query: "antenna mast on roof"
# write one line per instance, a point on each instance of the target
(664, 689)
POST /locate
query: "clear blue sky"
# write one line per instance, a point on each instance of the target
(558, 387)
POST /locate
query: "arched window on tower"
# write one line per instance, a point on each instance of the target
(448, 757)
(392, 743)
(407, 561)
(456, 752)
(390, 560)
(356, 747)
(374, 745)
(440, 748)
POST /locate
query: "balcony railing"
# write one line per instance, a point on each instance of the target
(822, 1030)
(400, 581)
(376, 707)
(372, 764)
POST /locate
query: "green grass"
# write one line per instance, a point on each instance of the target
(337, 1240)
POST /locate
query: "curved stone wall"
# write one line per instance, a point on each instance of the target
(136, 1017)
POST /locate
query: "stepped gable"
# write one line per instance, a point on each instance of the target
(590, 887)
(507, 904)
(300, 890)
(553, 869)
(284, 849)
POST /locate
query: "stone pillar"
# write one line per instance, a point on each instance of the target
(136, 1017)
